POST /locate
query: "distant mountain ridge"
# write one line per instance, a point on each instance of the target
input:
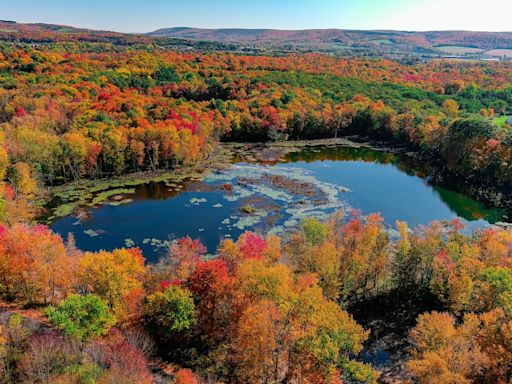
(429, 39)
(372, 43)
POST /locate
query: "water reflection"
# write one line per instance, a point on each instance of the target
(313, 182)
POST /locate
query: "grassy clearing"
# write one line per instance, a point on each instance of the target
(500, 52)
(382, 41)
(459, 50)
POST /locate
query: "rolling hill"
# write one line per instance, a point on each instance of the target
(372, 42)
(455, 42)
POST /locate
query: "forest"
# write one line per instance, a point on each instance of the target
(263, 308)
(69, 115)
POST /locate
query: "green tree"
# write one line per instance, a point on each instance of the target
(496, 288)
(499, 106)
(315, 231)
(165, 75)
(82, 317)
(170, 311)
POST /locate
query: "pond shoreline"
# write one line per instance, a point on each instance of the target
(219, 158)
(71, 196)
(68, 197)
(282, 148)
(491, 195)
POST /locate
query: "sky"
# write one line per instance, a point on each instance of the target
(149, 15)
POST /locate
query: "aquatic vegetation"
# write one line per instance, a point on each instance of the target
(157, 244)
(291, 223)
(274, 194)
(302, 194)
(265, 196)
(91, 233)
(103, 196)
(276, 230)
(247, 209)
(63, 210)
(121, 202)
(129, 243)
(65, 199)
(75, 198)
(237, 193)
(246, 222)
(197, 201)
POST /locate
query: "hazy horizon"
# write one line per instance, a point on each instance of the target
(141, 17)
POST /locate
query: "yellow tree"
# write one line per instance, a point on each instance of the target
(495, 339)
(451, 108)
(4, 158)
(22, 179)
(256, 345)
(114, 276)
(445, 353)
(289, 328)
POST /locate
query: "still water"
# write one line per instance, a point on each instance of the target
(275, 198)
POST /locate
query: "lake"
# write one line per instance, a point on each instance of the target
(271, 197)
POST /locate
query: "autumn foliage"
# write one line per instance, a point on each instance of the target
(74, 114)
(263, 309)
(252, 314)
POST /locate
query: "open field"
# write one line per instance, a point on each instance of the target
(459, 50)
(382, 41)
(500, 52)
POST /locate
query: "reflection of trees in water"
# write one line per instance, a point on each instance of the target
(342, 154)
(445, 187)
(368, 155)
(163, 191)
(468, 208)
(448, 189)
(154, 191)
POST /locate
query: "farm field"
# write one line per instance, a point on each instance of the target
(458, 50)
(500, 52)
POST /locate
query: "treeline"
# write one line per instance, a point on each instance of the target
(264, 309)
